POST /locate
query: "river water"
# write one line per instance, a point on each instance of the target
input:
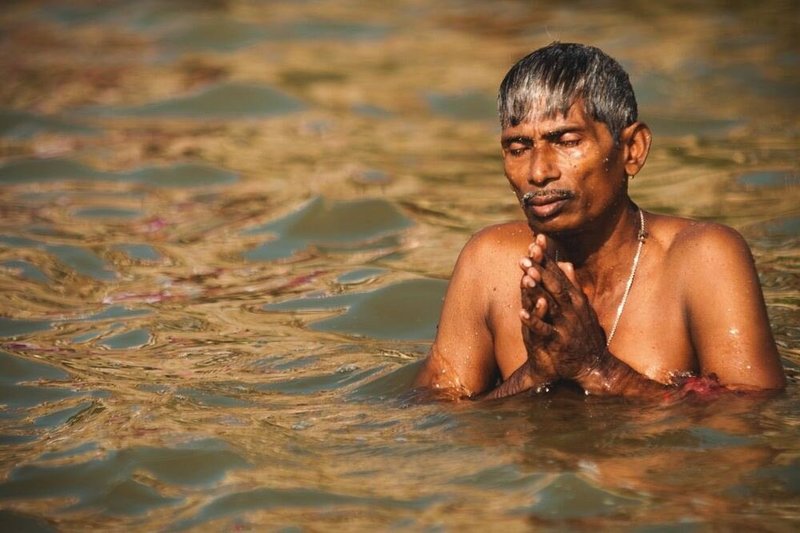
(227, 227)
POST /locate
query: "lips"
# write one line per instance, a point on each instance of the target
(544, 204)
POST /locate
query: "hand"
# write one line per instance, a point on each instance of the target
(535, 315)
(564, 333)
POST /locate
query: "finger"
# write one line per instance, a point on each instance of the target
(528, 300)
(544, 245)
(569, 270)
(530, 279)
(540, 308)
(554, 281)
(519, 381)
(535, 324)
(525, 263)
(527, 282)
(575, 292)
(541, 240)
(531, 292)
(536, 252)
(555, 285)
(535, 303)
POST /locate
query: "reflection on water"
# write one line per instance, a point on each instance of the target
(226, 231)
(405, 310)
(225, 101)
(358, 224)
(24, 125)
(26, 171)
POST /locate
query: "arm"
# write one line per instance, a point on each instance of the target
(725, 307)
(461, 361)
(538, 370)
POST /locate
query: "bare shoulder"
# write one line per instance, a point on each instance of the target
(490, 260)
(504, 234)
(499, 240)
(699, 244)
(706, 261)
(713, 270)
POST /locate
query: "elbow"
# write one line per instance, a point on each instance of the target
(431, 383)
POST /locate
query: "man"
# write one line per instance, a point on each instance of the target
(593, 289)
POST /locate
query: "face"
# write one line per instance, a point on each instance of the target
(566, 170)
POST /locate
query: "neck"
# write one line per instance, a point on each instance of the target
(595, 252)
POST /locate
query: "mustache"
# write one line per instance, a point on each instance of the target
(550, 194)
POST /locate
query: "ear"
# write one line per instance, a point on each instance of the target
(636, 140)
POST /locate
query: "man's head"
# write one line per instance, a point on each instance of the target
(551, 79)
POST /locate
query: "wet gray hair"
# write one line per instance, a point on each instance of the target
(551, 79)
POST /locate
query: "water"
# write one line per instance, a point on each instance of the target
(227, 228)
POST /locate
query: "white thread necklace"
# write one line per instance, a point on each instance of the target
(641, 237)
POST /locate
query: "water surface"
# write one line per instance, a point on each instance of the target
(226, 232)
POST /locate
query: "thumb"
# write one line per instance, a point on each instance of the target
(569, 270)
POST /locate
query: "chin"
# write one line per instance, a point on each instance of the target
(555, 226)
(545, 225)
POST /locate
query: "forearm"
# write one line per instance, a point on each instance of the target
(609, 376)
(524, 379)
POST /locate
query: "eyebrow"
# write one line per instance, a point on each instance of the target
(550, 136)
(554, 135)
(512, 139)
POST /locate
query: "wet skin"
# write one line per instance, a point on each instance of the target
(514, 314)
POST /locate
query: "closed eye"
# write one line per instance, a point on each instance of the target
(517, 146)
(567, 138)
(568, 143)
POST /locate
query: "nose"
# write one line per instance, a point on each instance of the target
(543, 167)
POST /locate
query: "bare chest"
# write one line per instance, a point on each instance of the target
(651, 335)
